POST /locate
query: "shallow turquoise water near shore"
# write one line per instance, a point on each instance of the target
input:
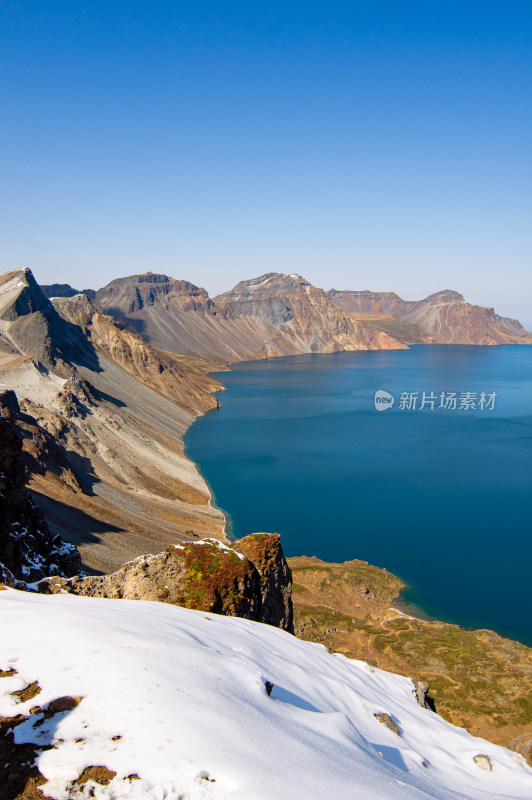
(442, 498)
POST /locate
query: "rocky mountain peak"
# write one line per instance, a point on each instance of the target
(30, 324)
(145, 277)
(445, 296)
(20, 294)
(269, 283)
(125, 296)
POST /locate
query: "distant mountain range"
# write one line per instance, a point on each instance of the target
(444, 317)
(278, 314)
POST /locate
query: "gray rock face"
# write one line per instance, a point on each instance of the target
(32, 334)
(35, 328)
(124, 296)
(146, 277)
(26, 298)
(421, 693)
(27, 550)
(204, 575)
(291, 303)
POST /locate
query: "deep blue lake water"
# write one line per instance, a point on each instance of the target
(442, 498)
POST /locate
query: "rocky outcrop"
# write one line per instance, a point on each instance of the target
(204, 575)
(177, 316)
(273, 315)
(265, 552)
(31, 326)
(421, 693)
(124, 296)
(444, 317)
(27, 550)
(27, 319)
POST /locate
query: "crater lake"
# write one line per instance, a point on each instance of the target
(438, 494)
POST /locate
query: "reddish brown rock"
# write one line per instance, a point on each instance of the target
(266, 553)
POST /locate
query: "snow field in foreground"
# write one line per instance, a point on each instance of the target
(178, 698)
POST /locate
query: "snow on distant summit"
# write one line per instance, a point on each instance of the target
(177, 704)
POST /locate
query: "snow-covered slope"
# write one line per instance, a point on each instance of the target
(186, 694)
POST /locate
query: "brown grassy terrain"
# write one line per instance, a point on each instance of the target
(478, 679)
(395, 326)
(196, 364)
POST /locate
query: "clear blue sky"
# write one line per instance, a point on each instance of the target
(371, 145)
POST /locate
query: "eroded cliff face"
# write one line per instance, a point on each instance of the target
(103, 419)
(270, 316)
(444, 317)
(304, 316)
(27, 550)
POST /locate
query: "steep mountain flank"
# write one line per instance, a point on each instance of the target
(444, 317)
(103, 416)
(27, 550)
(269, 316)
(304, 316)
(177, 316)
(155, 368)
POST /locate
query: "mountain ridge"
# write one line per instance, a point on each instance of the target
(279, 314)
(102, 418)
(445, 317)
(270, 316)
